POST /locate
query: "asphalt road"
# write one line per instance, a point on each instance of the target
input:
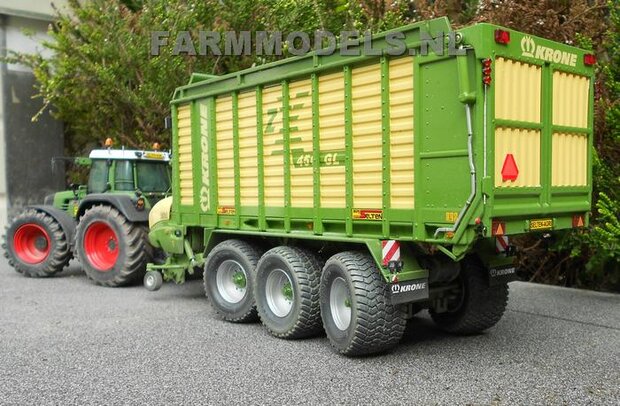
(64, 340)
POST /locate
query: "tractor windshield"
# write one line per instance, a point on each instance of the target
(153, 176)
(98, 178)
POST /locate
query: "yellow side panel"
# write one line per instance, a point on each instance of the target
(300, 124)
(524, 145)
(401, 133)
(569, 160)
(331, 138)
(225, 153)
(186, 176)
(367, 137)
(517, 90)
(273, 146)
(248, 150)
(570, 99)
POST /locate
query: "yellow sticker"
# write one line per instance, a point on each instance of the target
(226, 210)
(154, 155)
(451, 216)
(360, 214)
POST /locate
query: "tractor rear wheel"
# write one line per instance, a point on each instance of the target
(112, 250)
(36, 245)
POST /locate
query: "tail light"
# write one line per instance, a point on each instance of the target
(502, 37)
(589, 59)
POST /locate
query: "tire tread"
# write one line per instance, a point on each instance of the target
(60, 254)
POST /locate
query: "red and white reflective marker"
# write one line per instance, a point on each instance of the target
(391, 251)
(510, 170)
(501, 243)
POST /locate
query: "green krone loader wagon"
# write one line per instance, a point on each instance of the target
(103, 224)
(347, 193)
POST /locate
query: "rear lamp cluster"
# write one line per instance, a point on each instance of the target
(502, 37)
(589, 59)
(486, 71)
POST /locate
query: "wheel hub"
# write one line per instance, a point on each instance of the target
(239, 280)
(101, 246)
(279, 293)
(231, 281)
(41, 243)
(340, 304)
(31, 243)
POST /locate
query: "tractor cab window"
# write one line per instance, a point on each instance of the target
(98, 178)
(123, 176)
(153, 176)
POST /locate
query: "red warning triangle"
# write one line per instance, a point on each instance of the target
(580, 222)
(510, 171)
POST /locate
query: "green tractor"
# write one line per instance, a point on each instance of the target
(104, 224)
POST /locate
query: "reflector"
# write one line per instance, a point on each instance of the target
(510, 171)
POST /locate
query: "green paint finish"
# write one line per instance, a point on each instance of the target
(212, 161)
(385, 140)
(348, 144)
(546, 133)
(287, 155)
(239, 280)
(262, 224)
(443, 86)
(287, 291)
(316, 158)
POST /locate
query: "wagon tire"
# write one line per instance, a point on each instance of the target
(112, 250)
(355, 306)
(478, 306)
(229, 277)
(287, 292)
(36, 245)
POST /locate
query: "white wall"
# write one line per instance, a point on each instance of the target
(33, 9)
(17, 16)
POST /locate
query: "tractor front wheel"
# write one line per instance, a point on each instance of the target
(36, 245)
(112, 250)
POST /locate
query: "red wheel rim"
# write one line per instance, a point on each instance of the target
(101, 246)
(31, 243)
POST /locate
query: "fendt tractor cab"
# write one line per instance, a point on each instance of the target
(104, 224)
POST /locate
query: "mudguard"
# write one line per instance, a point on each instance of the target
(122, 203)
(67, 223)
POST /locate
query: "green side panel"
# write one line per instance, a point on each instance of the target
(442, 170)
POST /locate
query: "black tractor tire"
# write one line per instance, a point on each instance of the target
(372, 324)
(287, 292)
(229, 277)
(113, 251)
(36, 245)
(477, 307)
